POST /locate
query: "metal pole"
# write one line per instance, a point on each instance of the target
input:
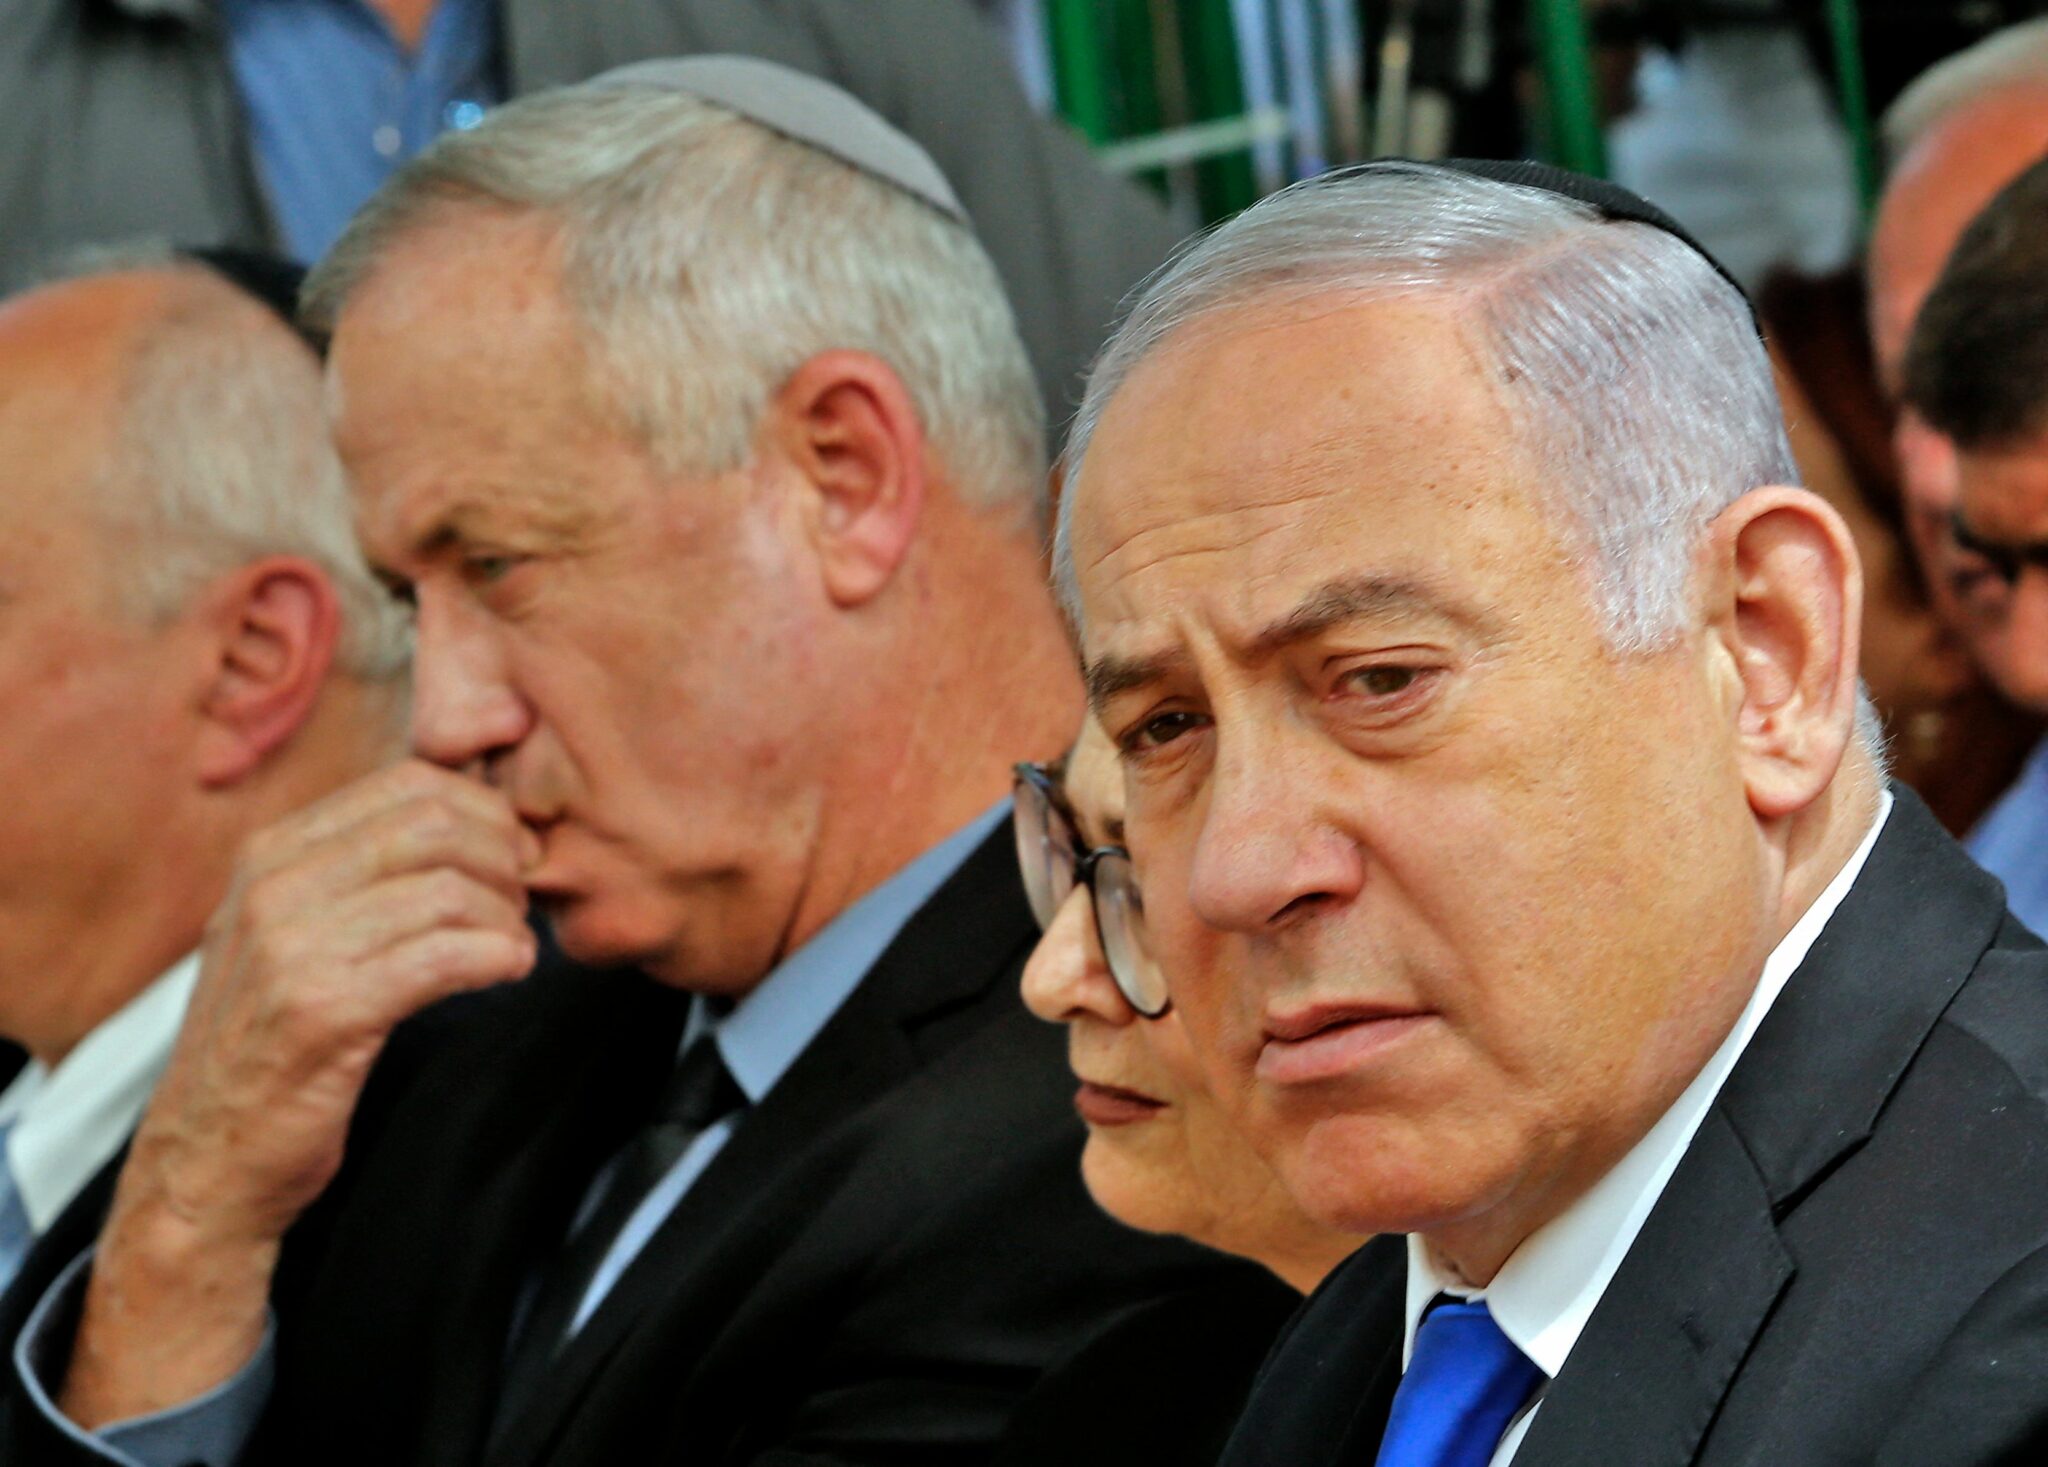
(1571, 100)
(1845, 31)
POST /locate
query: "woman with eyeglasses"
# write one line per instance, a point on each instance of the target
(1164, 1386)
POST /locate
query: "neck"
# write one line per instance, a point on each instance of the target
(407, 19)
(1304, 1267)
(134, 932)
(973, 674)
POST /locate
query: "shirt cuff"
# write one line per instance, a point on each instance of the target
(210, 1430)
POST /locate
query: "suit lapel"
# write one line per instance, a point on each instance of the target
(805, 1130)
(1673, 1328)
(1667, 1338)
(595, 1059)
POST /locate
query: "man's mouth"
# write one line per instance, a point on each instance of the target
(1329, 1041)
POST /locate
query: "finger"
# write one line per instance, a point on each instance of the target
(392, 911)
(434, 965)
(373, 798)
(418, 836)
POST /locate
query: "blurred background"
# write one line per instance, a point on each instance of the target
(1751, 120)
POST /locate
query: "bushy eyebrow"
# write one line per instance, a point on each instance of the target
(1333, 603)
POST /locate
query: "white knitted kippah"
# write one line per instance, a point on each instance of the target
(806, 109)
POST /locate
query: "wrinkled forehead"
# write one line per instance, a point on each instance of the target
(1262, 454)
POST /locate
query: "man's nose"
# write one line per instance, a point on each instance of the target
(464, 706)
(1263, 857)
(1067, 977)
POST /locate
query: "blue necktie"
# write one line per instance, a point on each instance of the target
(1464, 1383)
(16, 1236)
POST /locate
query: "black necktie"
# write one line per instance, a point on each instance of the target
(700, 1092)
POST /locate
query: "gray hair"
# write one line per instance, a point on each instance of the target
(221, 455)
(2016, 56)
(710, 257)
(1631, 369)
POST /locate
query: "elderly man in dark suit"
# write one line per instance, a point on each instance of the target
(688, 415)
(191, 647)
(1512, 829)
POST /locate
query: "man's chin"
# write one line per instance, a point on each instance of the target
(584, 934)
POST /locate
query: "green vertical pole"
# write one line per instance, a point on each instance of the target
(1845, 31)
(1081, 68)
(1216, 80)
(1564, 55)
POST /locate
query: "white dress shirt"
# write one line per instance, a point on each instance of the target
(1549, 1286)
(69, 1121)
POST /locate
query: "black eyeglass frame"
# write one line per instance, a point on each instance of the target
(1046, 782)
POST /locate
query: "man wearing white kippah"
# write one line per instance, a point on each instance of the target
(688, 416)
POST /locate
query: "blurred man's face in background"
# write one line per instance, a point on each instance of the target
(1942, 183)
(2003, 507)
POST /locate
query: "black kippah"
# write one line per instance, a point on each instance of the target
(269, 278)
(1608, 200)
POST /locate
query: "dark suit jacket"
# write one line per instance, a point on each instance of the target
(1850, 1264)
(70, 1235)
(892, 1248)
(1161, 1387)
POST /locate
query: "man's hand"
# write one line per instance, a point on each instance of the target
(342, 920)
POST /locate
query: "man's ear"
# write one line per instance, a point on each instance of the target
(846, 424)
(1784, 609)
(271, 627)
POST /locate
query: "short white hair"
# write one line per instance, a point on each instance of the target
(1630, 367)
(710, 257)
(2016, 56)
(221, 455)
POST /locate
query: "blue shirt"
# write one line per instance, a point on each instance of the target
(335, 104)
(2011, 841)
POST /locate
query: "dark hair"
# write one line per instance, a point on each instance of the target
(1817, 324)
(1977, 367)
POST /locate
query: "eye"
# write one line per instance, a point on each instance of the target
(1159, 730)
(483, 569)
(1382, 681)
(399, 589)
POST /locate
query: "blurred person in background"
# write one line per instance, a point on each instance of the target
(1952, 737)
(1977, 373)
(1957, 135)
(268, 122)
(190, 648)
(1165, 1385)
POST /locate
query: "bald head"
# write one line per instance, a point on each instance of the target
(1941, 181)
(185, 416)
(180, 587)
(65, 353)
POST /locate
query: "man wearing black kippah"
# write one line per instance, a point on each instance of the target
(1518, 842)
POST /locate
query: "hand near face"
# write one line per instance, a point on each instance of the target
(342, 920)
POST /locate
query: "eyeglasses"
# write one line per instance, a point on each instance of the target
(1050, 851)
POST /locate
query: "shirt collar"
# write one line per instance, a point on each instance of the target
(1546, 1291)
(69, 1122)
(761, 1036)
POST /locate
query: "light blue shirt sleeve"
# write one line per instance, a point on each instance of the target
(2011, 841)
(210, 1431)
